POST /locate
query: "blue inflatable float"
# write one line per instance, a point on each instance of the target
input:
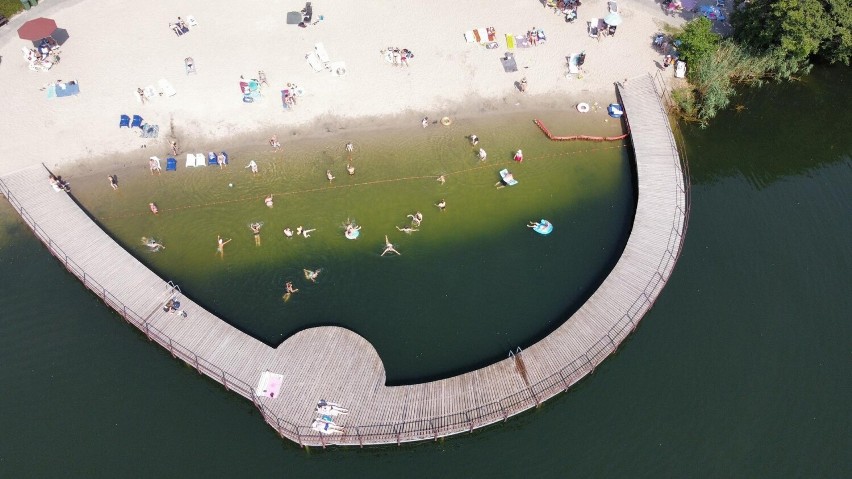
(543, 227)
(614, 110)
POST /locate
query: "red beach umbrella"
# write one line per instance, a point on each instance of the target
(37, 29)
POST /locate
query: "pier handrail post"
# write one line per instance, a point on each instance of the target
(358, 433)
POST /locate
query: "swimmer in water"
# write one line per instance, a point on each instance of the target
(442, 205)
(268, 201)
(152, 244)
(329, 175)
(253, 166)
(416, 218)
(474, 140)
(153, 208)
(441, 179)
(311, 275)
(424, 122)
(220, 245)
(255, 229)
(289, 290)
(389, 247)
(482, 155)
(288, 232)
(350, 147)
(113, 181)
(304, 232)
(407, 230)
(351, 229)
(350, 169)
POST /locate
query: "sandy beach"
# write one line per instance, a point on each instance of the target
(116, 47)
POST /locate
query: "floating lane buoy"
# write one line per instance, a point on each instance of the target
(583, 107)
(446, 121)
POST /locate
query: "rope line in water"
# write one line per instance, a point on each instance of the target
(579, 137)
(366, 183)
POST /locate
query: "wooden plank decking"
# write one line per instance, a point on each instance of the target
(336, 364)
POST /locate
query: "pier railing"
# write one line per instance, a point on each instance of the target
(421, 429)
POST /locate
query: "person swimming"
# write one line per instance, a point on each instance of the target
(350, 169)
(253, 166)
(389, 248)
(350, 147)
(329, 175)
(289, 290)
(304, 232)
(352, 231)
(407, 230)
(268, 201)
(474, 140)
(153, 208)
(416, 218)
(519, 156)
(442, 205)
(312, 275)
(482, 155)
(441, 179)
(152, 244)
(288, 232)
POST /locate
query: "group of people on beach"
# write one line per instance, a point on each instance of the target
(58, 184)
(397, 56)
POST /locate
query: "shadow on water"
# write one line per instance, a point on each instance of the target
(471, 284)
(736, 144)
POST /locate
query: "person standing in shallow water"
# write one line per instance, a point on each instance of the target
(220, 245)
(113, 181)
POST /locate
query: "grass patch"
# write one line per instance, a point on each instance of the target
(10, 7)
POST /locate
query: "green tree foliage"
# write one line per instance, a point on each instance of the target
(799, 28)
(697, 40)
(713, 78)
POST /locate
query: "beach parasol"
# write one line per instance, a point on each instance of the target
(613, 19)
(37, 29)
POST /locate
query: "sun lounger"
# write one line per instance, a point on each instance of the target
(509, 63)
(137, 122)
(573, 63)
(321, 53)
(166, 87)
(190, 20)
(469, 37)
(521, 41)
(510, 41)
(150, 92)
(171, 164)
(542, 38)
(314, 61)
(200, 160)
(124, 121)
(211, 159)
(482, 34)
(190, 160)
(189, 64)
(593, 27)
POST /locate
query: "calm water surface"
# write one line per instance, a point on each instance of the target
(742, 368)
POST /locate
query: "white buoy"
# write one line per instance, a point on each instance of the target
(230, 185)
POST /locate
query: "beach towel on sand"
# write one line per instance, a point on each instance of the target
(509, 63)
(510, 41)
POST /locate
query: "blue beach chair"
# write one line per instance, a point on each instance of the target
(137, 122)
(171, 164)
(211, 159)
(125, 121)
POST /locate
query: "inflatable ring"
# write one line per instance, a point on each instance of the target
(583, 107)
(341, 71)
(446, 121)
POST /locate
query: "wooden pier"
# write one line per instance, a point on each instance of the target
(338, 365)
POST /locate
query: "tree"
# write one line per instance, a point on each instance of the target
(697, 40)
(799, 28)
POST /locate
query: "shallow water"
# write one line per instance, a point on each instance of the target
(472, 283)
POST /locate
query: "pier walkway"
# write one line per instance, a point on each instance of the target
(338, 365)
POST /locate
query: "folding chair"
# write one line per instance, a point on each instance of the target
(137, 122)
(124, 122)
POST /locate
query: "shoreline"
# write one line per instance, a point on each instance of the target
(447, 76)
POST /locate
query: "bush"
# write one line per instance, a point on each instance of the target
(697, 40)
(10, 7)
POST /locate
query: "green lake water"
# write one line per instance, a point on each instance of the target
(471, 284)
(741, 369)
